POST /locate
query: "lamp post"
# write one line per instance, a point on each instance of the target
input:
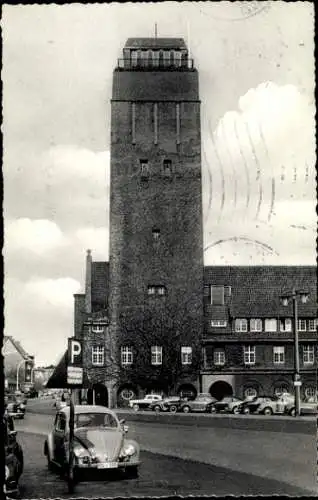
(293, 295)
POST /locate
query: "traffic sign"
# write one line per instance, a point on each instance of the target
(297, 383)
(74, 375)
(75, 352)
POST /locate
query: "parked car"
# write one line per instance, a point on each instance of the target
(202, 403)
(308, 406)
(256, 404)
(171, 404)
(15, 410)
(99, 442)
(146, 402)
(13, 457)
(229, 404)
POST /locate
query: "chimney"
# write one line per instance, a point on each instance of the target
(88, 283)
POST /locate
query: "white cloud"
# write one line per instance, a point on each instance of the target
(54, 293)
(36, 236)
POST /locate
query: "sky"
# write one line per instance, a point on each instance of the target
(256, 74)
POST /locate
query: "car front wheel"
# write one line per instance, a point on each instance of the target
(157, 408)
(136, 407)
(173, 409)
(186, 409)
(268, 411)
(236, 410)
(246, 411)
(292, 412)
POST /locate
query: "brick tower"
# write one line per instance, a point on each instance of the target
(156, 241)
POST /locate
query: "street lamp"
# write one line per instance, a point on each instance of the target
(285, 298)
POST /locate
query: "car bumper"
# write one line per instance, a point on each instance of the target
(108, 465)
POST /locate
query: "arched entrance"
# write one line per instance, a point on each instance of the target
(187, 391)
(97, 395)
(125, 393)
(220, 389)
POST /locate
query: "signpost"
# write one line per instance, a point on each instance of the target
(75, 379)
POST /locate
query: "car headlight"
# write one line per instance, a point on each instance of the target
(128, 450)
(7, 472)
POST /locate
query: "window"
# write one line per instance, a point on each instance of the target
(98, 355)
(156, 290)
(97, 329)
(177, 58)
(167, 168)
(156, 58)
(250, 392)
(134, 58)
(60, 423)
(219, 323)
(308, 354)
(219, 357)
(166, 58)
(126, 355)
(144, 168)
(155, 234)
(241, 325)
(256, 325)
(281, 389)
(301, 325)
(312, 325)
(249, 355)
(285, 325)
(270, 325)
(217, 295)
(156, 355)
(279, 355)
(311, 392)
(186, 355)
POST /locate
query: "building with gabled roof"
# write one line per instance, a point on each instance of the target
(14, 355)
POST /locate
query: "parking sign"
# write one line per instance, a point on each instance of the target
(75, 362)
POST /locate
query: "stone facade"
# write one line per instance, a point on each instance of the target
(155, 291)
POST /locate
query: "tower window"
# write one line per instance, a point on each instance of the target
(157, 290)
(156, 234)
(167, 168)
(144, 169)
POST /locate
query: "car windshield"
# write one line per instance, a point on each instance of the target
(95, 420)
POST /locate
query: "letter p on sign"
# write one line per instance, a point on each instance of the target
(74, 352)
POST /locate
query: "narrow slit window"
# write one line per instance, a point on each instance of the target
(144, 169)
(167, 168)
(156, 234)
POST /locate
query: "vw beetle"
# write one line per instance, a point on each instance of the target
(99, 442)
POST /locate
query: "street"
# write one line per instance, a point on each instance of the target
(182, 460)
(159, 476)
